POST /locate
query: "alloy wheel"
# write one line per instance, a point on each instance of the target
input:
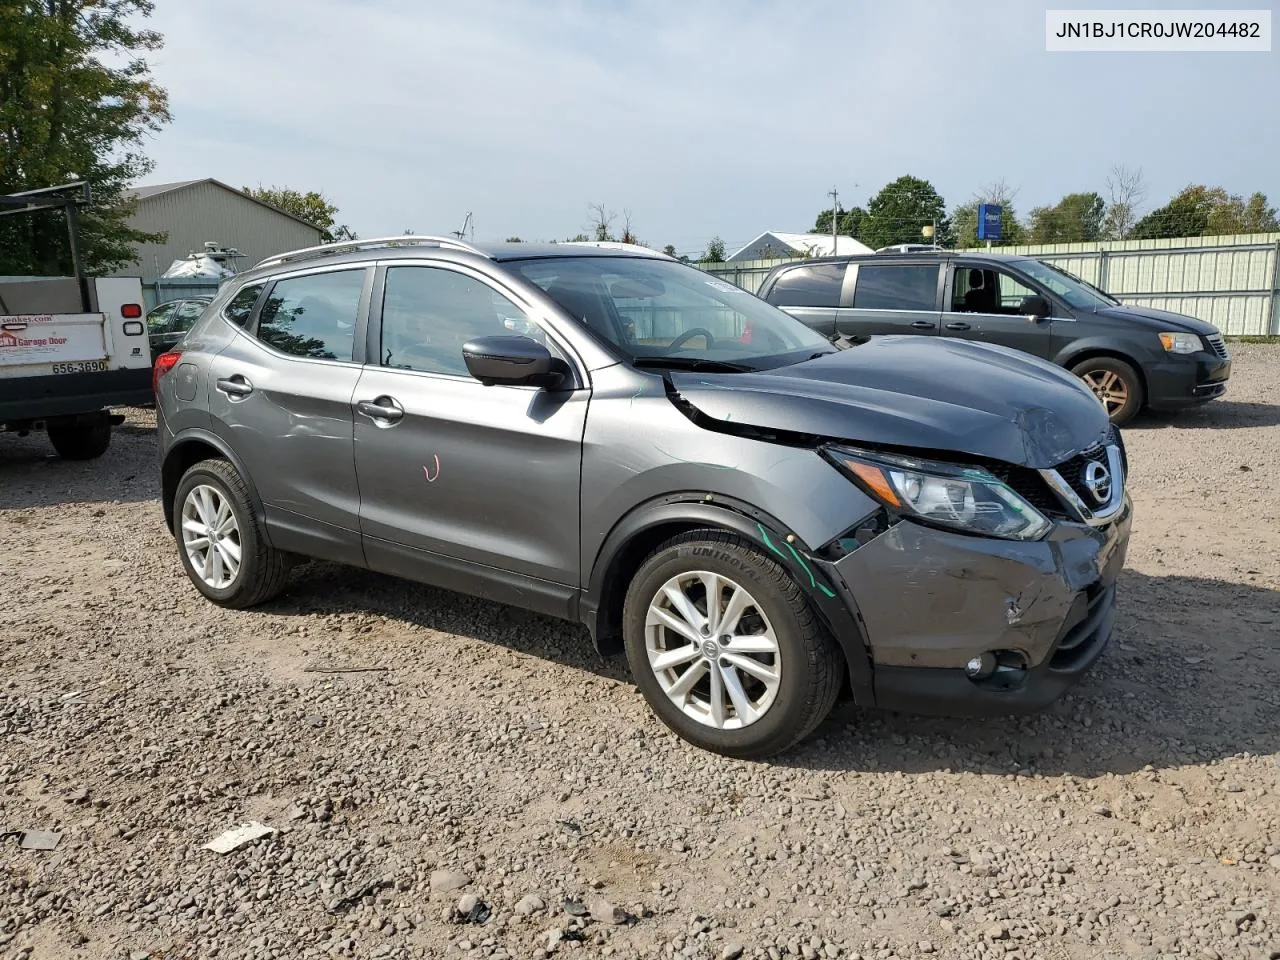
(1109, 387)
(211, 536)
(713, 650)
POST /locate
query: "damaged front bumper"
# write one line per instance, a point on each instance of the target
(932, 601)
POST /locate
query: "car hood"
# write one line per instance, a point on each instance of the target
(918, 392)
(1157, 320)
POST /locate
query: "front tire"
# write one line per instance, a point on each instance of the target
(83, 439)
(1116, 385)
(726, 649)
(220, 540)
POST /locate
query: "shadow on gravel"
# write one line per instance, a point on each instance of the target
(32, 475)
(320, 587)
(1192, 675)
(1214, 415)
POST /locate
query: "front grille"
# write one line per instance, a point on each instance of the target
(1031, 487)
(1217, 344)
(1072, 471)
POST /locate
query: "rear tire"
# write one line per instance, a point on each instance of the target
(220, 540)
(86, 438)
(1116, 385)
(776, 673)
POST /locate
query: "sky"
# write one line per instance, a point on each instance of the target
(700, 117)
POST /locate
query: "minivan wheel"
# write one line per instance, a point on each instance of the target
(220, 541)
(1116, 385)
(726, 649)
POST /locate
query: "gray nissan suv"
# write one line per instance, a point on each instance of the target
(762, 520)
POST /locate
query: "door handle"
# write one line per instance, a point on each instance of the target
(381, 409)
(923, 324)
(236, 386)
(957, 325)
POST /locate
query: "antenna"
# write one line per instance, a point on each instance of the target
(835, 217)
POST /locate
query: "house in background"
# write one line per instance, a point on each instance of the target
(196, 212)
(773, 245)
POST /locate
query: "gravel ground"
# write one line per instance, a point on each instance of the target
(496, 791)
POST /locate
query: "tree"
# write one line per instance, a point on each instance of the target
(1199, 211)
(1127, 189)
(312, 206)
(514, 240)
(77, 102)
(714, 252)
(628, 235)
(601, 224)
(669, 250)
(849, 223)
(964, 218)
(900, 210)
(1075, 218)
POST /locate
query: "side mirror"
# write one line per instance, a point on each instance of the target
(513, 362)
(1035, 307)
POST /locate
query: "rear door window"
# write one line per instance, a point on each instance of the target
(313, 316)
(896, 286)
(816, 285)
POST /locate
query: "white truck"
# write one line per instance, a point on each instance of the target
(71, 348)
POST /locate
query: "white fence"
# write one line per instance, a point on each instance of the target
(1232, 282)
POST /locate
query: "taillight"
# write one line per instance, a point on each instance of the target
(164, 363)
(131, 311)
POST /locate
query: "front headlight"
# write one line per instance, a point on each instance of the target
(1181, 342)
(966, 498)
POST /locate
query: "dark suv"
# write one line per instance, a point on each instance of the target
(1130, 357)
(760, 518)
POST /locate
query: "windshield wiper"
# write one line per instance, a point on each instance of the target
(692, 363)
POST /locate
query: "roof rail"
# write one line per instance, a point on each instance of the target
(348, 246)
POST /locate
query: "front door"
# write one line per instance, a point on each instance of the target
(461, 484)
(892, 298)
(984, 304)
(280, 397)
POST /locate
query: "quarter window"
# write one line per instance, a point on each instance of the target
(240, 307)
(883, 286)
(313, 316)
(812, 286)
(428, 313)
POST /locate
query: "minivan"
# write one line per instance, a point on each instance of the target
(1130, 357)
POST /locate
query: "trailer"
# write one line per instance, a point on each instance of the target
(71, 348)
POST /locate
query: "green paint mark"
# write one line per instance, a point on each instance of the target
(813, 582)
(769, 543)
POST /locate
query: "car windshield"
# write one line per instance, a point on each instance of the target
(1078, 293)
(666, 314)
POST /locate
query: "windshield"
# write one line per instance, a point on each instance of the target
(661, 313)
(1077, 293)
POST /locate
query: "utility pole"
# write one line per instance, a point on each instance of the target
(835, 217)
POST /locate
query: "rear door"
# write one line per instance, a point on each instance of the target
(462, 485)
(892, 297)
(280, 396)
(984, 303)
(811, 294)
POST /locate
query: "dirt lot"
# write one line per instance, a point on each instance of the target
(1140, 817)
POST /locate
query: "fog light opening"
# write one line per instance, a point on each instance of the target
(1001, 669)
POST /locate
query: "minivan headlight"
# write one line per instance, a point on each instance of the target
(971, 499)
(1181, 342)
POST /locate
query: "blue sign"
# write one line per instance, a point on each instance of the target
(989, 221)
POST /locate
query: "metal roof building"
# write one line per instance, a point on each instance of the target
(193, 212)
(774, 244)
